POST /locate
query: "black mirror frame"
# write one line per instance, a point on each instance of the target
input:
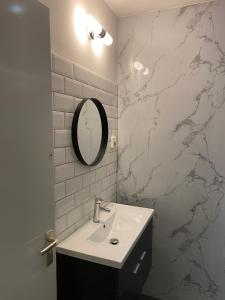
(105, 127)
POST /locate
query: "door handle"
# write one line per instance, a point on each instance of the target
(51, 242)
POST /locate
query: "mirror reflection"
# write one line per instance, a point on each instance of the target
(89, 131)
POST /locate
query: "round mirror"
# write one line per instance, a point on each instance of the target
(90, 131)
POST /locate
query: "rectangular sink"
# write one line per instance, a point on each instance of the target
(117, 226)
(110, 241)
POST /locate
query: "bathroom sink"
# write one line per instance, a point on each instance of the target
(103, 233)
(110, 241)
(117, 226)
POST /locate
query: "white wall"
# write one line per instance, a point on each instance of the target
(172, 143)
(78, 72)
(76, 186)
(64, 40)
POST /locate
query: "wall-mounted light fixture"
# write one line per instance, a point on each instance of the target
(97, 32)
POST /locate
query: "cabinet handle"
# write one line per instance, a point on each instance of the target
(143, 255)
(136, 268)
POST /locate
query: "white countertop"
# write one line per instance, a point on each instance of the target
(91, 241)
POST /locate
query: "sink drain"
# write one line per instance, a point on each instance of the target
(114, 241)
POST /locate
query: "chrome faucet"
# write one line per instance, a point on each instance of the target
(97, 208)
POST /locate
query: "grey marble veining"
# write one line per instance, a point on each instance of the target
(172, 143)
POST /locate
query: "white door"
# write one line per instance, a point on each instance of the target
(26, 175)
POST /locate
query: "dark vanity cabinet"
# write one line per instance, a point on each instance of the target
(83, 280)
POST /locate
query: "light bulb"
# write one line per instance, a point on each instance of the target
(97, 46)
(80, 24)
(94, 26)
(107, 40)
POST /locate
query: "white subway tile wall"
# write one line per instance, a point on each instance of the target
(76, 186)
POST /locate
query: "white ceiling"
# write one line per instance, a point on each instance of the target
(124, 8)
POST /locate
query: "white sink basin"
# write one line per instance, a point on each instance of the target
(103, 233)
(92, 241)
(118, 225)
